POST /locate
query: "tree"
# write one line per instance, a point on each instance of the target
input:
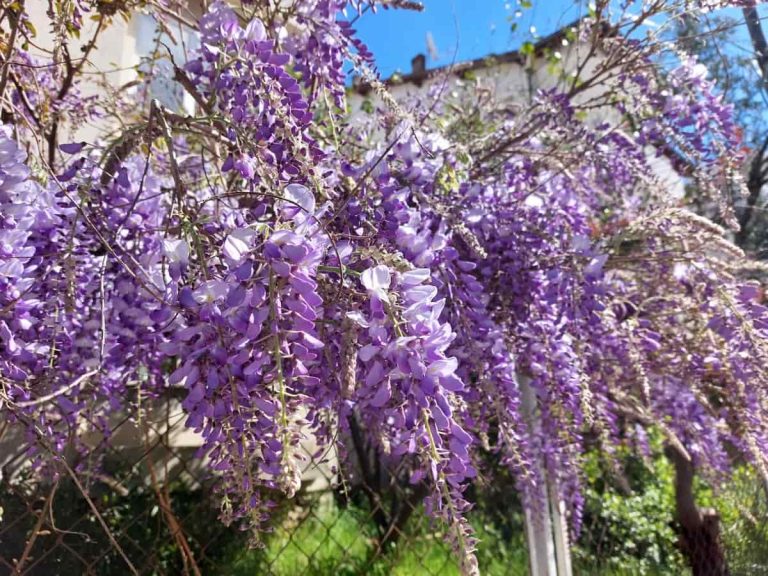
(287, 277)
(714, 41)
(739, 73)
(758, 170)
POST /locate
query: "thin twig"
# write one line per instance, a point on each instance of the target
(43, 399)
(19, 568)
(9, 49)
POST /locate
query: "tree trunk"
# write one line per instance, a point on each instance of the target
(755, 182)
(759, 43)
(699, 529)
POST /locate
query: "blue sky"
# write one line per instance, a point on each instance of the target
(462, 29)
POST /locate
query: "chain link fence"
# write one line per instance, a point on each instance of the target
(141, 502)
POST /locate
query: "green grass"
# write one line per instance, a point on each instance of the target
(328, 541)
(332, 541)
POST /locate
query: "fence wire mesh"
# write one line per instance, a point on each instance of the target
(141, 502)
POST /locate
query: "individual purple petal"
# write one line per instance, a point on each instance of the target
(377, 280)
(72, 147)
(382, 396)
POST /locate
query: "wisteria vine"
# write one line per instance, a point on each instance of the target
(284, 269)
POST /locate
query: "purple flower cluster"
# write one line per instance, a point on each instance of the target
(47, 301)
(321, 43)
(408, 382)
(35, 93)
(19, 216)
(240, 75)
(247, 344)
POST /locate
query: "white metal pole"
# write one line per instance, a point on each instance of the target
(547, 535)
(560, 527)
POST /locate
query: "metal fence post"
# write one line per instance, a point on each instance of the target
(547, 534)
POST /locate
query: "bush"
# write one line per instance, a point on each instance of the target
(628, 520)
(743, 509)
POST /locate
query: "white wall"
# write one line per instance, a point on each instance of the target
(112, 59)
(510, 82)
(113, 62)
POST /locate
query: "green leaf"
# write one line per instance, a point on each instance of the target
(528, 49)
